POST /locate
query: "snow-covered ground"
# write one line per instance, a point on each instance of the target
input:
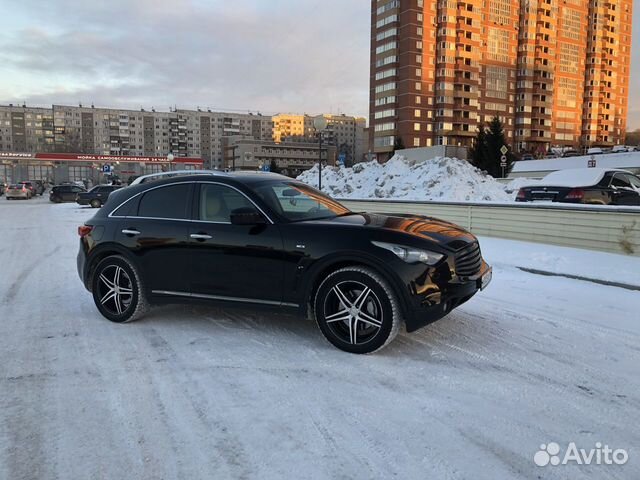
(200, 392)
(442, 179)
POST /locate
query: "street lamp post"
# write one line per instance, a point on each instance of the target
(320, 123)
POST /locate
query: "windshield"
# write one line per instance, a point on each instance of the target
(297, 202)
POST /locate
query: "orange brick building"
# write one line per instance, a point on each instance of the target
(556, 73)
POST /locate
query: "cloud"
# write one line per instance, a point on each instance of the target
(284, 55)
(280, 55)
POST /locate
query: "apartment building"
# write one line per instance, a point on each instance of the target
(557, 74)
(292, 155)
(343, 131)
(119, 132)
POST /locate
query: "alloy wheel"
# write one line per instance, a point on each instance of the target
(115, 290)
(353, 312)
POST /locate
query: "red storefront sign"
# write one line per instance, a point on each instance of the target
(79, 157)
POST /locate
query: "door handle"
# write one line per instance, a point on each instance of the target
(130, 232)
(200, 236)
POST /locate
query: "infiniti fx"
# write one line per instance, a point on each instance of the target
(264, 239)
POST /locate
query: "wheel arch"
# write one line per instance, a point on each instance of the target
(101, 252)
(329, 265)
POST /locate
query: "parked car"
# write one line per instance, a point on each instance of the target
(39, 186)
(585, 185)
(18, 190)
(65, 193)
(570, 153)
(595, 151)
(31, 186)
(526, 156)
(265, 239)
(97, 196)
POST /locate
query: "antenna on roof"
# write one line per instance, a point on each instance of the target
(92, 106)
(80, 104)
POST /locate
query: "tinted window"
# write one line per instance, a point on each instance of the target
(620, 181)
(297, 202)
(634, 181)
(217, 202)
(165, 202)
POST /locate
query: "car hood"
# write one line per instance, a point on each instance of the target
(446, 234)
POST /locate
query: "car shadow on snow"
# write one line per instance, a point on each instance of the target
(275, 328)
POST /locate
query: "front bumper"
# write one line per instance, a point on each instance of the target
(437, 297)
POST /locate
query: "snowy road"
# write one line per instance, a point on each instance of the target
(202, 393)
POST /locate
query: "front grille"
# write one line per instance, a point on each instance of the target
(469, 261)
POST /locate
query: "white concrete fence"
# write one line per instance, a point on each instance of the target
(607, 229)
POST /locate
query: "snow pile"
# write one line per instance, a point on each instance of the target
(440, 178)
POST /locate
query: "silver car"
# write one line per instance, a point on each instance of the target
(18, 191)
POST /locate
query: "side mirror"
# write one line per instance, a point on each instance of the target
(246, 216)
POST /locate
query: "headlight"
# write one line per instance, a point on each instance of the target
(410, 254)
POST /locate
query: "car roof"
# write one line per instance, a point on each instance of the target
(244, 177)
(577, 177)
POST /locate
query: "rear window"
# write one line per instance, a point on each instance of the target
(165, 202)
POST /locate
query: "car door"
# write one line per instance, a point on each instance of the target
(241, 263)
(154, 228)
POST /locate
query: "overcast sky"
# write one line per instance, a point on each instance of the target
(270, 56)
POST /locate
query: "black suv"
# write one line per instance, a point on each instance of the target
(265, 239)
(65, 193)
(97, 196)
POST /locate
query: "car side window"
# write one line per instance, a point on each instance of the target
(218, 201)
(77, 190)
(168, 202)
(606, 180)
(634, 181)
(620, 181)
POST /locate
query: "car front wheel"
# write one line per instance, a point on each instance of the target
(118, 291)
(356, 310)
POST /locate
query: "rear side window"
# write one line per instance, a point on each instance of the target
(165, 202)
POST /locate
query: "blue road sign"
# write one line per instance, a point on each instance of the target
(106, 168)
(342, 158)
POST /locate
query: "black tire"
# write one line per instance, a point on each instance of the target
(95, 203)
(346, 304)
(130, 303)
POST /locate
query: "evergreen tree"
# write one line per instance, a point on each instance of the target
(486, 154)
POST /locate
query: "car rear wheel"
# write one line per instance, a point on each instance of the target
(118, 291)
(356, 310)
(95, 203)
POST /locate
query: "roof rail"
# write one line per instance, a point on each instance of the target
(173, 173)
